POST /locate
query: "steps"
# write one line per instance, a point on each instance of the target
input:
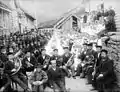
(117, 19)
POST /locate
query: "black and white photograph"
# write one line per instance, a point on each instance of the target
(59, 45)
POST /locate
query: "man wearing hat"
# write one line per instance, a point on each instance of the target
(105, 76)
(92, 54)
(97, 63)
(66, 56)
(56, 57)
(38, 78)
(89, 59)
(81, 57)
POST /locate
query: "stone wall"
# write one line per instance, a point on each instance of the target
(113, 47)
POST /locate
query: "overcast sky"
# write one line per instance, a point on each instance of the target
(50, 9)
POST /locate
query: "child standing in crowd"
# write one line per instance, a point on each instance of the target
(38, 78)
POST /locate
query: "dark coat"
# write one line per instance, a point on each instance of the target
(33, 61)
(106, 68)
(58, 60)
(8, 67)
(41, 60)
(65, 59)
(82, 55)
(56, 75)
(3, 57)
(97, 59)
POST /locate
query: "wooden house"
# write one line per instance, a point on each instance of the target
(26, 20)
(5, 18)
(67, 22)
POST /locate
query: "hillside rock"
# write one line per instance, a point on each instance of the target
(113, 47)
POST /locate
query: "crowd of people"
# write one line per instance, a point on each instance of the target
(33, 70)
(97, 68)
(24, 62)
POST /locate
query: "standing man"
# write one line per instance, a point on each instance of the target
(56, 77)
(44, 59)
(96, 65)
(56, 57)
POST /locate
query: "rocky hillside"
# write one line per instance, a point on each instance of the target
(112, 44)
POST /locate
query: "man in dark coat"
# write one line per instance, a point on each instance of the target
(89, 62)
(56, 57)
(29, 63)
(44, 59)
(99, 48)
(3, 54)
(97, 64)
(66, 56)
(81, 57)
(105, 76)
(56, 77)
(85, 57)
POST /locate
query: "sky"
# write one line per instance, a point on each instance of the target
(50, 9)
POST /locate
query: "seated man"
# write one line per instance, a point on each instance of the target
(56, 77)
(18, 77)
(4, 81)
(38, 78)
(105, 76)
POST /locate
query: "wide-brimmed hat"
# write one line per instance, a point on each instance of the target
(90, 44)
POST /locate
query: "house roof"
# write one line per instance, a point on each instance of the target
(17, 4)
(52, 23)
(28, 14)
(5, 5)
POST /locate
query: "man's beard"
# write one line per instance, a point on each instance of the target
(103, 58)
